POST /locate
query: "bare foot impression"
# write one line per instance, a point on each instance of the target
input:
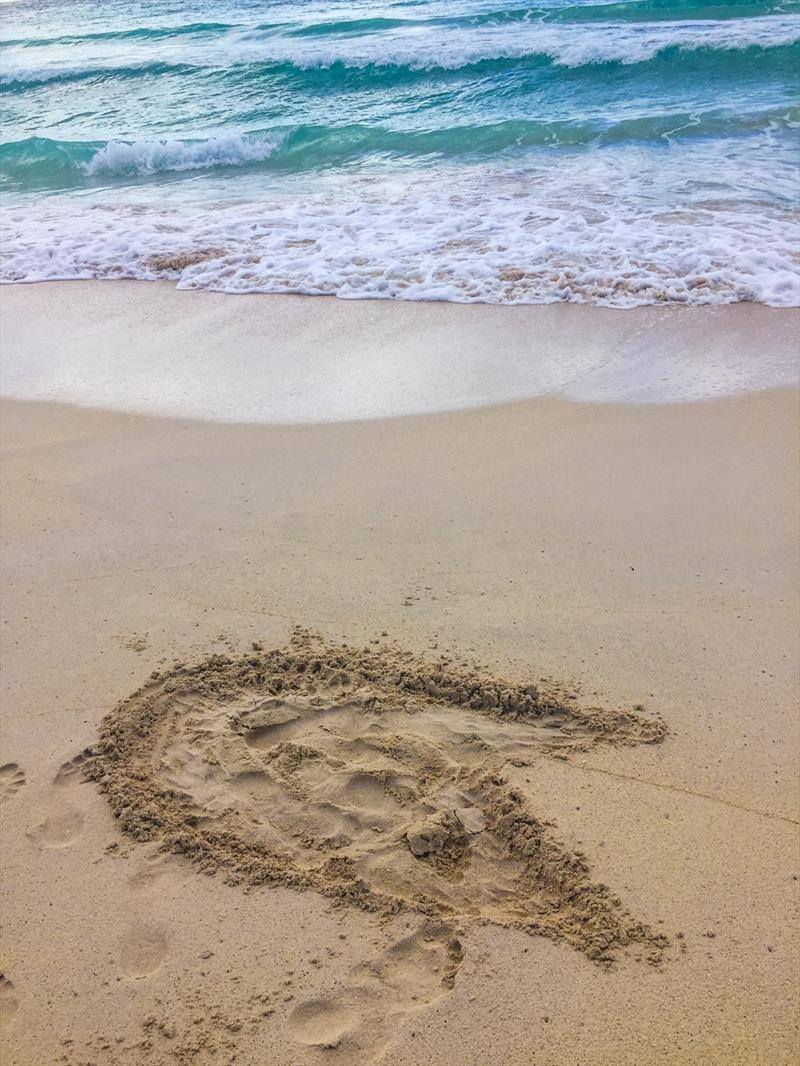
(12, 778)
(361, 1014)
(8, 1001)
(59, 829)
(143, 950)
(64, 823)
(376, 779)
(322, 1023)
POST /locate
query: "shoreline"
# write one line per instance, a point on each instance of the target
(147, 347)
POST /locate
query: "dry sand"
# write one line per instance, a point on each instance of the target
(583, 849)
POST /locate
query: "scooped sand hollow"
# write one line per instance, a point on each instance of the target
(372, 777)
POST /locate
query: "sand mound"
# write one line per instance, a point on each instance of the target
(371, 777)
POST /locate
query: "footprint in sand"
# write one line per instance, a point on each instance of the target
(411, 974)
(418, 969)
(143, 950)
(12, 778)
(59, 829)
(322, 1023)
(150, 870)
(64, 823)
(8, 1001)
(71, 772)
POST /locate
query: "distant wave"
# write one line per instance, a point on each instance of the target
(632, 11)
(560, 44)
(134, 33)
(432, 49)
(24, 78)
(647, 11)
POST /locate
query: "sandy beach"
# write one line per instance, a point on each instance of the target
(621, 557)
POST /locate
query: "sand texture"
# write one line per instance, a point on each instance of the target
(468, 739)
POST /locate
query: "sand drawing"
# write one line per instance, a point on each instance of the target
(372, 777)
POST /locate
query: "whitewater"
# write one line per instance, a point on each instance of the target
(631, 153)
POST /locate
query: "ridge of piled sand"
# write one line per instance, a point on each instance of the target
(371, 776)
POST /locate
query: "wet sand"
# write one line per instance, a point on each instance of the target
(151, 348)
(643, 558)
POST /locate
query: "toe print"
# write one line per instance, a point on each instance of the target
(12, 778)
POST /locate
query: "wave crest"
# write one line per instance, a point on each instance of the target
(151, 157)
(42, 163)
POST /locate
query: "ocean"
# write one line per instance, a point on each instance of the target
(640, 152)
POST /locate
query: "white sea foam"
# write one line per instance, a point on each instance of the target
(150, 157)
(551, 232)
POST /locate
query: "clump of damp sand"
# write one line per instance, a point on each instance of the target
(175, 262)
(371, 776)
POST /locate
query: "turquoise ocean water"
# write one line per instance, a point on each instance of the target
(637, 152)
